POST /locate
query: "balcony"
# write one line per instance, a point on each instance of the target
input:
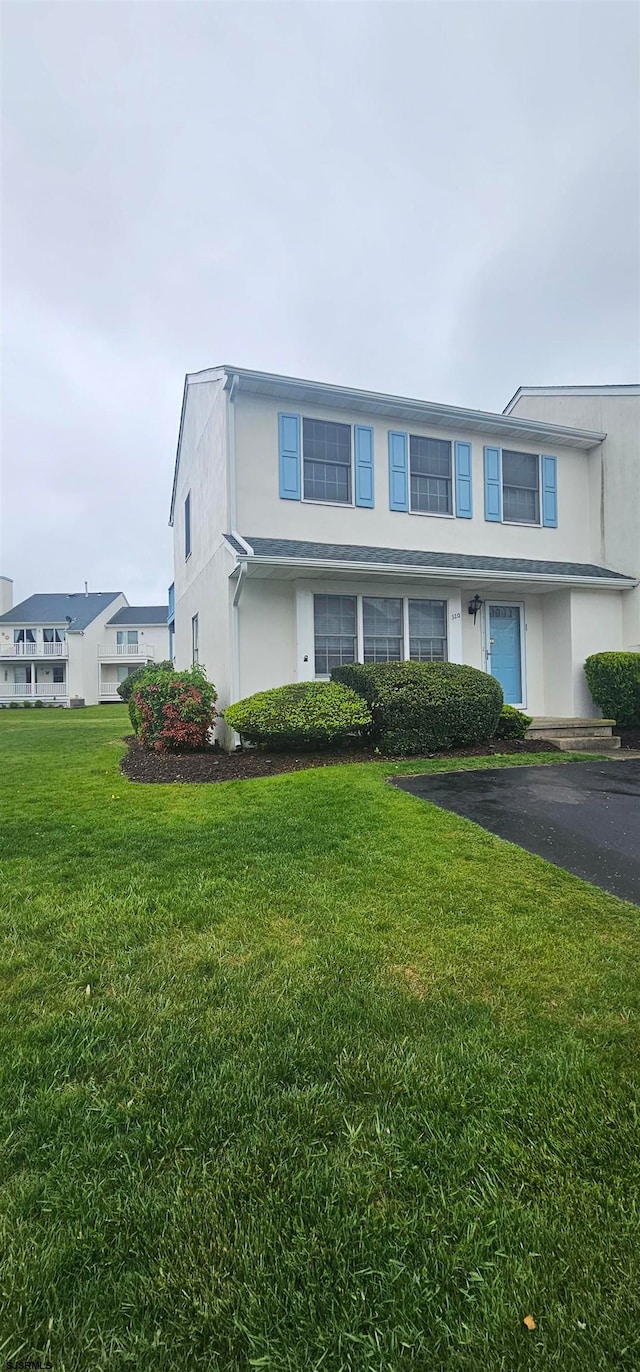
(38, 649)
(117, 651)
(24, 690)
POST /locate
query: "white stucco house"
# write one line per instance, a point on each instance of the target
(60, 648)
(316, 524)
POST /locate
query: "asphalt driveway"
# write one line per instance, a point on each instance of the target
(583, 816)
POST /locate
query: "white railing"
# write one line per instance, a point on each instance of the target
(110, 688)
(38, 690)
(33, 649)
(126, 650)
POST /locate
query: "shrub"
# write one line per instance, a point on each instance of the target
(128, 686)
(26, 704)
(14, 704)
(614, 682)
(512, 723)
(173, 710)
(303, 715)
(420, 707)
(39, 705)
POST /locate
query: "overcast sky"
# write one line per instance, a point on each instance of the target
(436, 199)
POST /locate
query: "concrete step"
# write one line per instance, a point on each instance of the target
(585, 743)
(545, 728)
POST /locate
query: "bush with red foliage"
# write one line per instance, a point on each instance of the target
(173, 710)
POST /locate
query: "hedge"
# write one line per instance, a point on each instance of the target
(173, 710)
(512, 723)
(135, 677)
(614, 682)
(421, 707)
(303, 715)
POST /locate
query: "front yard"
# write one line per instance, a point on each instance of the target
(301, 1073)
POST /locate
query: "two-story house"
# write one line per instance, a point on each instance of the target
(57, 648)
(316, 525)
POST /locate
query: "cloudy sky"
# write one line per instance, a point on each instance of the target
(436, 199)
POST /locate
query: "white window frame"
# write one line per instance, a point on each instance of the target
(432, 514)
(520, 523)
(331, 504)
(360, 596)
(511, 604)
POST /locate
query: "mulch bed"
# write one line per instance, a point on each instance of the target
(629, 738)
(216, 765)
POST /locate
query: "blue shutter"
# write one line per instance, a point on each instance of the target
(464, 492)
(398, 472)
(364, 465)
(289, 439)
(493, 484)
(549, 493)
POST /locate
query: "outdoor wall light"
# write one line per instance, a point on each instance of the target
(475, 605)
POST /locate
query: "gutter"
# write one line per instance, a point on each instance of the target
(476, 574)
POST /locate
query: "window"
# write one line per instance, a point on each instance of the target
(427, 630)
(127, 638)
(382, 629)
(123, 672)
(187, 527)
(194, 639)
(327, 460)
(335, 631)
(53, 636)
(520, 487)
(351, 628)
(58, 675)
(430, 475)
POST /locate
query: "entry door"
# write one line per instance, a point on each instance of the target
(505, 650)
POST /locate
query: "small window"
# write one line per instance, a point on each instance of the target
(382, 629)
(194, 639)
(187, 526)
(335, 631)
(430, 475)
(58, 675)
(127, 638)
(327, 461)
(520, 487)
(427, 630)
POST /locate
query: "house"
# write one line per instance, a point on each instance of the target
(316, 525)
(58, 648)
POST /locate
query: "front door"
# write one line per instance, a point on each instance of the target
(504, 650)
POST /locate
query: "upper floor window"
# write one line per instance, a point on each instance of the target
(187, 526)
(520, 487)
(430, 475)
(53, 635)
(195, 639)
(326, 460)
(127, 638)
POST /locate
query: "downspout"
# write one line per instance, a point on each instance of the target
(233, 494)
(235, 639)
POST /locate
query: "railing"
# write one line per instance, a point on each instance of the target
(126, 650)
(37, 691)
(110, 688)
(33, 649)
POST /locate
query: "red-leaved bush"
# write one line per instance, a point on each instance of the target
(173, 710)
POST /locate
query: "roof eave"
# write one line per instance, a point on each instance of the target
(440, 573)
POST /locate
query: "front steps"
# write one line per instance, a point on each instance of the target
(576, 735)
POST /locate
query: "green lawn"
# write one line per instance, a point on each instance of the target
(355, 1086)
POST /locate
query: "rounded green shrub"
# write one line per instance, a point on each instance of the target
(26, 704)
(128, 686)
(512, 723)
(39, 704)
(614, 682)
(422, 707)
(173, 710)
(304, 715)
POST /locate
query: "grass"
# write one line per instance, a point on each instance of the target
(354, 1088)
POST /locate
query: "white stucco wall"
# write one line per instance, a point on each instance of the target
(614, 478)
(261, 512)
(6, 594)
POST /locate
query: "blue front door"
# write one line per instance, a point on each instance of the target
(505, 650)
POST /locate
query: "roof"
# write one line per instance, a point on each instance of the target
(607, 391)
(50, 608)
(350, 555)
(399, 409)
(140, 614)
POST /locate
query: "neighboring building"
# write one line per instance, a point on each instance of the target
(59, 647)
(315, 524)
